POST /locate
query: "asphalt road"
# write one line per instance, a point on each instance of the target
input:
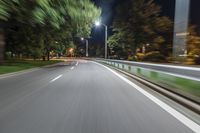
(83, 97)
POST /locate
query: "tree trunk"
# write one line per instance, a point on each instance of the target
(43, 58)
(2, 45)
(48, 55)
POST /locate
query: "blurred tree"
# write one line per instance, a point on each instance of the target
(83, 15)
(4, 15)
(37, 25)
(193, 44)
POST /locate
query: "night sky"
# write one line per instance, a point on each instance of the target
(168, 7)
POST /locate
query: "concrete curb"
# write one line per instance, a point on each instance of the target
(177, 98)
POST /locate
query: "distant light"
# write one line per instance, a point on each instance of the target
(56, 42)
(82, 38)
(182, 34)
(97, 23)
(71, 50)
(148, 44)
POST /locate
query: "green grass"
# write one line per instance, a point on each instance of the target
(18, 65)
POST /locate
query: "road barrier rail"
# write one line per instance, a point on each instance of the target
(182, 80)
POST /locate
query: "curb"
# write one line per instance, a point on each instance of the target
(177, 98)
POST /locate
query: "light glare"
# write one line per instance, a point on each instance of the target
(97, 23)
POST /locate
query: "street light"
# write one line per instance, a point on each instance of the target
(71, 50)
(98, 23)
(86, 40)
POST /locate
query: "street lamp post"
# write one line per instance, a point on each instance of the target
(86, 47)
(86, 41)
(106, 37)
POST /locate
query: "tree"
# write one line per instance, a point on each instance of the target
(33, 27)
(118, 45)
(193, 44)
(4, 15)
(83, 15)
(141, 25)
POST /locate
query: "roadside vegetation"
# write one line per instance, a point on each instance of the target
(17, 65)
(146, 35)
(39, 28)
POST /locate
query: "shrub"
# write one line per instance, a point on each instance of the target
(154, 56)
(197, 60)
(132, 58)
(140, 56)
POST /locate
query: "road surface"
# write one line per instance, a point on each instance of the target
(83, 97)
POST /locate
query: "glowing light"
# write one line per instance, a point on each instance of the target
(182, 34)
(97, 23)
(71, 50)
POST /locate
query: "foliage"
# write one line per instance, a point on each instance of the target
(140, 56)
(193, 45)
(132, 58)
(154, 56)
(18, 65)
(34, 27)
(197, 60)
(193, 42)
(143, 25)
(83, 15)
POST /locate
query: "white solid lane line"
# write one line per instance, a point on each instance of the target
(183, 119)
(56, 78)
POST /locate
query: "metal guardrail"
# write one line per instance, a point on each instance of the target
(181, 80)
(180, 71)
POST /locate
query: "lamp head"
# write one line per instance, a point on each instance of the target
(97, 23)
